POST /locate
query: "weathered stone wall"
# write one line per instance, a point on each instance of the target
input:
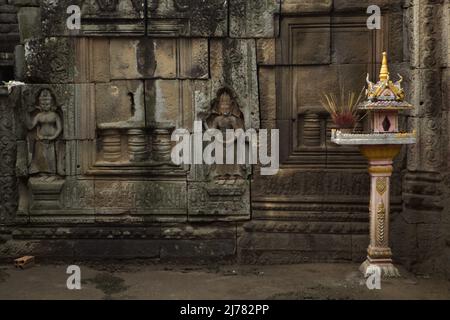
(104, 185)
(423, 226)
(316, 207)
(9, 37)
(9, 195)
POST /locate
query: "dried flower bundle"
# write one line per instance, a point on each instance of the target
(342, 108)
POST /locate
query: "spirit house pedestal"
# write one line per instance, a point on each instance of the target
(384, 101)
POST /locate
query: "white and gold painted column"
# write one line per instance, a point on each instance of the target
(380, 169)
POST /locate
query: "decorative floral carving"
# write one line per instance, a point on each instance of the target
(8, 151)
(49, 60)
(107, 5)
(381, 185)
(381, 218)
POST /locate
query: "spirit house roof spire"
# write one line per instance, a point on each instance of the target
(385, 94)
(384, 71)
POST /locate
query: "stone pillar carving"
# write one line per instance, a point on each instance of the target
(161, 145)
(380, 169)
(137, 145)
(8, 181)
(112, 147)
(311, 130)
(426, 161)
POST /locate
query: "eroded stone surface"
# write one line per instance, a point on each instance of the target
(302, 6)
(121, 92)
(195, 18)
(253, 18)
(101, 17)
(120, 104)
(233, 64)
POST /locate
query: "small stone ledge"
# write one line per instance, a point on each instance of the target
(25, 3)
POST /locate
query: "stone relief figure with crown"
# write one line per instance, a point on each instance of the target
(45, 152)
(226, 114)
(45, 127)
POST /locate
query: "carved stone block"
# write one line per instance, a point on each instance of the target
(267, 93)
(8, 197)
(99, 17)
(193, 58)
(306, 40)
(46, 193)
(253, 18)
(358, 5)
(29, 19)
(233, 65)
(111, 145)
(396, 39)
(426, 154)
(49, 60)
(9, 194)
(351, 45)
(161, 199)
(318, 184)
(213, 201)
(422, 195)
(188, 18)
(137, 145)
(163, 101)
(158, 58)
(8, 147)
(428, 97)
(78, 196)
(302, 6)
(266, 51)
(120, 104)
(75, 102)
(143, 58)
(309, 78)
(91, 60)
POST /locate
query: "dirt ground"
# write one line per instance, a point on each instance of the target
(133, 280)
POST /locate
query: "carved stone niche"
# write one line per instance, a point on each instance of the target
(46, 151)
(319, 52)
(224, 194)
(225, 113)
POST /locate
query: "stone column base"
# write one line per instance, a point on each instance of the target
(46, 192)
(388, 270)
